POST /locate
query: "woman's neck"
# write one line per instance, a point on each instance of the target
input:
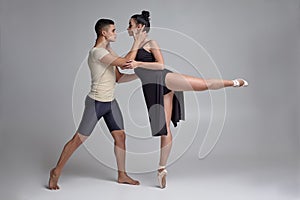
(144, 42)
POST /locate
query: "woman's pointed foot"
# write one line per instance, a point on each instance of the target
(240, 83)
(162, 177)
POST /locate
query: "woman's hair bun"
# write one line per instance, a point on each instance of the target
(146, 14)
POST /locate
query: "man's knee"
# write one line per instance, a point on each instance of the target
(119, 136)
(78, 138)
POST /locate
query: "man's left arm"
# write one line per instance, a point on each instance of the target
(123, 78)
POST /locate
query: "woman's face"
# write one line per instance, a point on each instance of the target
(132, 27)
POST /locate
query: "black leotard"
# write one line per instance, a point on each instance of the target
(154, 89)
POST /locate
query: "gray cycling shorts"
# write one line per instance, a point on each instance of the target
(93, 112)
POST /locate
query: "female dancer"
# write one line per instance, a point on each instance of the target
(163, 88)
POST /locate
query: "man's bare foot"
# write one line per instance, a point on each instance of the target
(125, 179)
(53, 179)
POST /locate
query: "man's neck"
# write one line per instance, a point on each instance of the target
(102, 42)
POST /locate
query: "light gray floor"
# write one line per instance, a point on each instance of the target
(213, 178)
(221, 175)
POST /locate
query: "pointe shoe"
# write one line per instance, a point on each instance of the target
(236, 83)
(161, 175)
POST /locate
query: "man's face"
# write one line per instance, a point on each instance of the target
(110, 33)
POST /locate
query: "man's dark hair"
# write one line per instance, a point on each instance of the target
(101, 24)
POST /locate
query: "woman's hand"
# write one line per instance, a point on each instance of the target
(131, 64)
(139, 35)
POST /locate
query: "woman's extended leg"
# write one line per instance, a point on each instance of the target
(181, 82)
(166, 141)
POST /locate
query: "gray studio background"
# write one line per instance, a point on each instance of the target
(43, 48)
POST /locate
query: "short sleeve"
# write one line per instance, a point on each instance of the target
(99, 53)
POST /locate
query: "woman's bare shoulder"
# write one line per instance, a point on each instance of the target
(153, 44)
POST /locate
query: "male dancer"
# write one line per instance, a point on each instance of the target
(100, 101)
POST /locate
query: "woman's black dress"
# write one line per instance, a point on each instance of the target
(154, 89)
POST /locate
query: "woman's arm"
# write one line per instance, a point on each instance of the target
(146, 65)
(159, 61)
(139, 36)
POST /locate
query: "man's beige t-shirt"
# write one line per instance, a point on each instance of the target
(103, 76)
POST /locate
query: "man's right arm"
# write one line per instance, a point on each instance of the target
(112, 60)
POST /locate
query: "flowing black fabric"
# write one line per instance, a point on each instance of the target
(154, 89)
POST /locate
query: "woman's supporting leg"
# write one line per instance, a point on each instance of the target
(120, 153)
(68, 150)
(166, 141)
(181, 82)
